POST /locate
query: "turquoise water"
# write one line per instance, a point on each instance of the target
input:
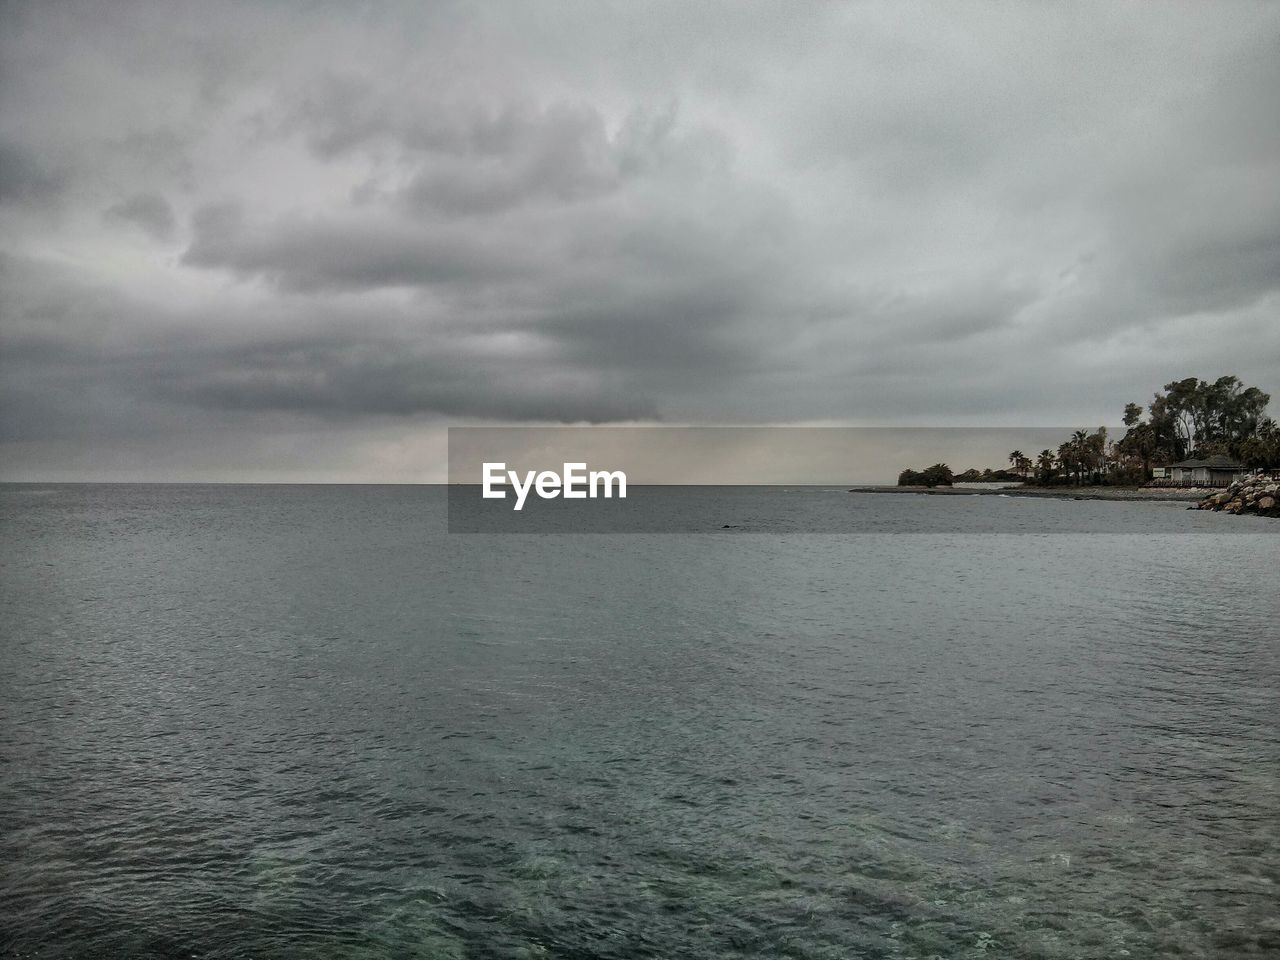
(307, 722)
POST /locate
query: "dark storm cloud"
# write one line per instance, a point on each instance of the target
(149, 212)
(478, 158)
(24, 179)
(1208, 273)
(364, 223)
(559, 156)
(388, 379)
(305, 254)
(70, 366)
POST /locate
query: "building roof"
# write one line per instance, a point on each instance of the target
(1217, 462)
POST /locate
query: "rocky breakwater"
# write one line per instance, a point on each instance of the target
(1258, 494)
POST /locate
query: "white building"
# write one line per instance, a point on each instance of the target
(1217, 471)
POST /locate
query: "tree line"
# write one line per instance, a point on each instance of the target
(1189, 418)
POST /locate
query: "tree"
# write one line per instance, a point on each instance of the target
(1231, 412)
(1044, 466)
(1021, 463)
(1175, 413)
(1141, 443)
(1263, 448)
(937, 475)
(1194, 416)
(1076, 455)
(1095, 453)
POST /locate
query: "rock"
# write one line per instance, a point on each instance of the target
(1257, 494)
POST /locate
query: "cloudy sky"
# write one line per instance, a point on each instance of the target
(297, 240)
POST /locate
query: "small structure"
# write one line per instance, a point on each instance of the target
(1217, 471)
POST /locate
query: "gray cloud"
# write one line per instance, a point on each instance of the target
(23, 179)
(354, 252)
(423, 214)
(389, 379)
(149, 212)
(477, 158)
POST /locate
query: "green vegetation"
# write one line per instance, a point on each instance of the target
(1189, 418)
(1021, 463)
(1186, 419)
(939, 475)
(974, 475)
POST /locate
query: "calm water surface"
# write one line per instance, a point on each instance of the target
(306, 722)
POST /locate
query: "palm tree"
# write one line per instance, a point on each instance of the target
(1098, 448)
(1080, 451)
(1016, 459)
(1045, 464)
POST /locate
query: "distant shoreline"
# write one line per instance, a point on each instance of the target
(1188, 495)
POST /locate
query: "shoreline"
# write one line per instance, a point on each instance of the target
(1121, 494)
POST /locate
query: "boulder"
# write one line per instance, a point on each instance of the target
(1256, 494)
